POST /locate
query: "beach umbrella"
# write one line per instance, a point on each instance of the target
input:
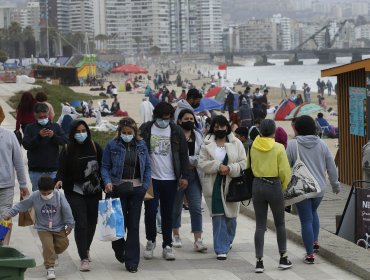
(129, 69)
(213, 92)
(208, 104)
(304, 109)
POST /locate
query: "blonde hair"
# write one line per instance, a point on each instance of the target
(128, 122)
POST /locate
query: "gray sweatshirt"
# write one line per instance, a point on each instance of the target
(181, 105)
(11, 158)
(56, 210)
(316, 156)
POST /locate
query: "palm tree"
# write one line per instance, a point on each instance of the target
(14, 40)
(29, 41)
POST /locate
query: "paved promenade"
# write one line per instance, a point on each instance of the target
(191, 265)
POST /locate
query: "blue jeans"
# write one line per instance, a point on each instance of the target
(194, 196)
(310, 224)
(223, 233)
(35, 176)
(165, 193)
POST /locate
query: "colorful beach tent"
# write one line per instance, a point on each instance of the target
(304, 109)
(284, 109)
(213, 92)
(208, 104)
(129, 69)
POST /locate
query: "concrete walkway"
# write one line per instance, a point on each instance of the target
(192, 265)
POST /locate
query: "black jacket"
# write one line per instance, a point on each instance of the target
(179, 147)
(43, 153)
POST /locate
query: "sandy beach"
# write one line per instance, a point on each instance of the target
(130, 101)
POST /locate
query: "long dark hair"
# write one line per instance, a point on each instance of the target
(72, 146)
(27, 102)
(187, 111)
(221, 121)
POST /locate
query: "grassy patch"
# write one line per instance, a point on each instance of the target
(102, 138)
(57, 94)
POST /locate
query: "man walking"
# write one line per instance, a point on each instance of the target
(42, 140)
(170, 164)
(11, 159)
(193, 98)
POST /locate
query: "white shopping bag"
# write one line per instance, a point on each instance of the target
(110, 220)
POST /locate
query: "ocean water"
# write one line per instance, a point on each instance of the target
(273, 75)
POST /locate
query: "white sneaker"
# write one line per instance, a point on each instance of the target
(50, 273)
(168, 254)
(148, 252)
(85, 265)
(177, 243)
(199, 246)
(221, 257)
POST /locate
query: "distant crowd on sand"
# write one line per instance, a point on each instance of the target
(177, 154)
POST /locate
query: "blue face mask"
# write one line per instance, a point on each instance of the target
(127, 137)
(81, 137)
(43, 121)
(162, 123)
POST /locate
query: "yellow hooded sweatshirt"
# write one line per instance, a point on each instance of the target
(269, 159)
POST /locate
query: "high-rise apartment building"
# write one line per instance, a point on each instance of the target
(6, 11)
(82, 17)
(258, 35)
(210, 26)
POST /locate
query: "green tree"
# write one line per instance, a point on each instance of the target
(29, 41)
(15, 40)
(3, 56)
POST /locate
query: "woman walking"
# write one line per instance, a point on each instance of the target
(193, 192)
(270, 167)
(25, 114)
(126, 159)
(221, 157)
(79, 176)
(316, 156)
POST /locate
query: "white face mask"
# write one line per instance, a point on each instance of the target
(47, 197)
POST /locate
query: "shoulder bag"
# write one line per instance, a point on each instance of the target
(302, 185)
(240, 188)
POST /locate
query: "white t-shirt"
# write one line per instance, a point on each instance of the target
(161, 154)
(220, 153)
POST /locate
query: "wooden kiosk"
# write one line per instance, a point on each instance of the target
(353, 115)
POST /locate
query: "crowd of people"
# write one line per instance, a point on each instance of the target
(176, 155)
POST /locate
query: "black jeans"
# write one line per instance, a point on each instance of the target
(165, 192)
(129, 249)
(85, 213)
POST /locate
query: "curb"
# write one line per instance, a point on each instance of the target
(336, 250)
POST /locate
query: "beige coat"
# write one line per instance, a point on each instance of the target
(210, 166)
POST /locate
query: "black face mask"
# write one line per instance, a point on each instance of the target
(189, 125)
(196, 105)
(220, 134)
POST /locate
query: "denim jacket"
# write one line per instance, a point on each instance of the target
(114, 158)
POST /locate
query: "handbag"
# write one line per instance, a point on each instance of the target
(110, 220)
(302, 185)
(240, 188)
(26, 218)
(126, 187)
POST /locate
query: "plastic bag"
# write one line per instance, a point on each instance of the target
(110, 220)
(4, 228)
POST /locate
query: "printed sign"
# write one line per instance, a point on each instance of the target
(357, 97)
(362, 214)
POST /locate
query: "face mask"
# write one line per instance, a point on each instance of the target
(127, 137)
(220, 133)
(195, 105)
(80, 137)
(162, 123)
(43, 121)
(47, 197)
(189, 125)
